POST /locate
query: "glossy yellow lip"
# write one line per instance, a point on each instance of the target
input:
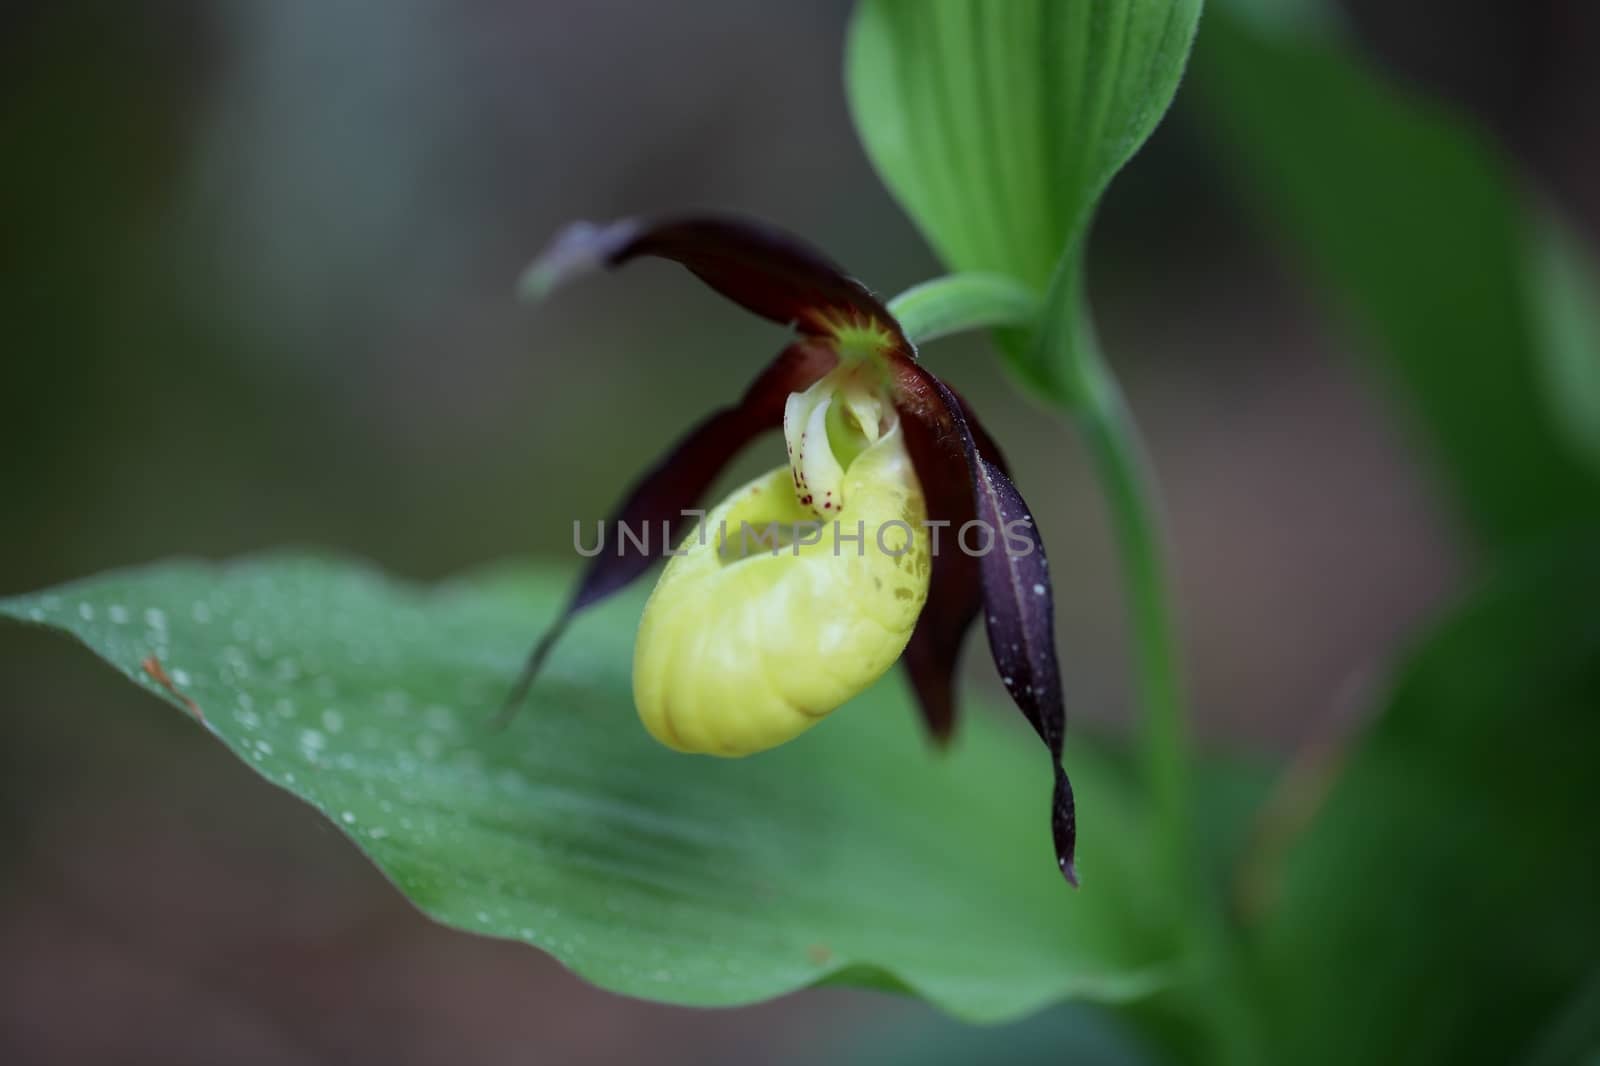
(773, 617)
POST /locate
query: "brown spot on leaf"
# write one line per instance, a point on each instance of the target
(158, 673)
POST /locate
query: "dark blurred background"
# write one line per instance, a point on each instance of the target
(256, 287)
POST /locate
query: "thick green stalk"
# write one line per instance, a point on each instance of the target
(1072, 374)
(1093, 396)
(1064, 367)
(1128, 487)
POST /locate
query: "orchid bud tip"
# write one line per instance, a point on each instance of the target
(578, 249)
(538, 281)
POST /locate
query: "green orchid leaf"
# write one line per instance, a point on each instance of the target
(999, 125)
(1485, 318)
(1445, 901)
(1565, 286)
(855, 854)
(1077, 1033)
(1440, 906)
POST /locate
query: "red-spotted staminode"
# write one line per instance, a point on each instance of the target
(771, 613)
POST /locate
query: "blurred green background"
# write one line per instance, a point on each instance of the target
(258, 269)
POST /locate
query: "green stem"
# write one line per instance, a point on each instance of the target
(1067, 366)
(1128, 486)
(1067, 370)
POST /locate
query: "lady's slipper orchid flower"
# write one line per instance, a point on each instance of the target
(771, 614)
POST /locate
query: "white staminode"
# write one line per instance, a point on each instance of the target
(826, 427)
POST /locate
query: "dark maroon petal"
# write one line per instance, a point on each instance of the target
(1019, 613)
(980, 436)
(1019, 609)
(931, 655)
(954, 589)
(955, 592)
(676, 484)
(761, 268)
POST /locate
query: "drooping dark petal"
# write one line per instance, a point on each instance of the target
(653, 508)
(763, 269)
(980, 436)
(1014, 575)
(1019, 614)
(955, 592)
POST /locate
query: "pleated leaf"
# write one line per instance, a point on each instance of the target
(999, 125)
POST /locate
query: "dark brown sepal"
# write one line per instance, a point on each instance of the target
(655, 504)
(955, 592)
(760, 267)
